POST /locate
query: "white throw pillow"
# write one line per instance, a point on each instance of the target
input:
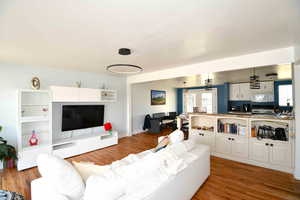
(176, 136)
(61, 175)
(106, 186)
(189, 144)
(87, 169)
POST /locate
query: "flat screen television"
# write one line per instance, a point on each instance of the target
(76, 117)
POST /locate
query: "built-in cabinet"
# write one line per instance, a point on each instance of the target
(35, 118)
(235, 138)
(73, 94)
(272, 152)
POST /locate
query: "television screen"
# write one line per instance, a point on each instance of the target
(82, 116)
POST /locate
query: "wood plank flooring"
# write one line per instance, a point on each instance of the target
(228, 179)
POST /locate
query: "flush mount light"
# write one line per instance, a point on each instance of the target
(124, 68)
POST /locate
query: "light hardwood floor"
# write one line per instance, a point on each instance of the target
(228, 179)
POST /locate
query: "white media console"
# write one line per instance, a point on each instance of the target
(35, 113)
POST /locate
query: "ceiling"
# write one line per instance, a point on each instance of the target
(85, 35)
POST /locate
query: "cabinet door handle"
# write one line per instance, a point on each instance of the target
(229, 138)
(267, 144)
(232, 139)
(271, 145)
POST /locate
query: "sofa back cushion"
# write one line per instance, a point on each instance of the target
(176, 136)
(61, 176)
(87, 169)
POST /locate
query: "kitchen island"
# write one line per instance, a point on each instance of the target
(262, 140)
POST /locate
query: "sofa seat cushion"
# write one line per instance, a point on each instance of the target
(107, 186)
(61, 176)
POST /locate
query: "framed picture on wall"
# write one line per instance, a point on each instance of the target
(158, 97)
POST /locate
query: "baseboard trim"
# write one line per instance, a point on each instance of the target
(296, 176)
(255, 163)
(138, 131)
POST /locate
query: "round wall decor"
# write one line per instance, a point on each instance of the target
(35, 83)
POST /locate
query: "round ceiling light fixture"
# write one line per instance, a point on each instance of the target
(124, 68)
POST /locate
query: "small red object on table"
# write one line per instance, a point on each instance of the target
(108, 127)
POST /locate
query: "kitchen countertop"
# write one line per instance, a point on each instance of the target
(271, 117)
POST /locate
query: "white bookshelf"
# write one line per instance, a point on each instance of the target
(34, 114)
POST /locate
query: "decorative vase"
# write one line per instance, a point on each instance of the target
(8, 163)
(33, 140)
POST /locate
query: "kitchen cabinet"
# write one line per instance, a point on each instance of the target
(223, 144)
(280, 154)
(272, 152)
(240, 92)
(240, 147)
(233, 145)
(267, 87)
(258, 151)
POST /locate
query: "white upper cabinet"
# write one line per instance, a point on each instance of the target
(267, 87)
(73, 94)
(89, 95)
(240, 92)
(245, 93)
(234, 90)
(64, 94)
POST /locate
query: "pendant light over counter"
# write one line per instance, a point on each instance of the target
(254, 81)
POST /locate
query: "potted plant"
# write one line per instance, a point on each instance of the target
(8, 154)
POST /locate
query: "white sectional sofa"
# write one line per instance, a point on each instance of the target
(179, 183)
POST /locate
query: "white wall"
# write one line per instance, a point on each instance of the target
(297, 110)
(141, 102)
(13, 77)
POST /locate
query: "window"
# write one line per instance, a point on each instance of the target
(205, 100)
(285, 93)
(191, 102)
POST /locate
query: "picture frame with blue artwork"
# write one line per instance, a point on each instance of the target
(158, 97)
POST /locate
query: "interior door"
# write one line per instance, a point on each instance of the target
(240, 147)
(223, 144)
(259, 151)
(280, 154)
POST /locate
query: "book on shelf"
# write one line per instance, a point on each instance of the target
(232, 128)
